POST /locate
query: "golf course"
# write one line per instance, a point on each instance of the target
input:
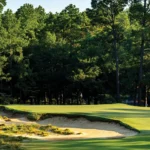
(132, 117)
(75, 75)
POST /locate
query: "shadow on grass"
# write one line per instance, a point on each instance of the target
(123, 113)
(133, 110)
(140, 142)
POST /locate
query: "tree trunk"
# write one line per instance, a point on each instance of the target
(135, 95)
(142, 54)
(146, 95)
(116, 62)
(50, 98)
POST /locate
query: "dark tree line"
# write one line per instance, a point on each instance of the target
(98, 56)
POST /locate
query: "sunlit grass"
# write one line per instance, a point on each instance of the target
(137, 117)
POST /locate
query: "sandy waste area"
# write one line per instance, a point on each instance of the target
(87, 128)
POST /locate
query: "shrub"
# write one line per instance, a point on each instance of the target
(79, 133)
(5, 99)
(67, 132)
(34, 116)
(46, 128)
(2, 125)
(6, 118)
(109, 99)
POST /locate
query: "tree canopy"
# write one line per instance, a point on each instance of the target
(100, 55)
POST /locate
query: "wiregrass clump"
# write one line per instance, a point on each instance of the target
(5, 118)
(33, 129)
(23, 129)
(57, 130)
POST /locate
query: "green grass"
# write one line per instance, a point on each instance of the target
(137, 117)
(10, 143)
(136, 143)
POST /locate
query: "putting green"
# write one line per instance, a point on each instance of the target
(137, 117)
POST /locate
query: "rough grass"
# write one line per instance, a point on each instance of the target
(5, 118)
(10, 143)
(33, 129)
(136, 117)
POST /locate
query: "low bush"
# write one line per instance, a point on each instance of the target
(109, 99)
(34, 116)
(6, 118)
(67, 132)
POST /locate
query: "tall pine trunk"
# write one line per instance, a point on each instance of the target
(142, 53)
(117, 71)
(116, 59)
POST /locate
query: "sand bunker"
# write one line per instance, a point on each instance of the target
(87, 128)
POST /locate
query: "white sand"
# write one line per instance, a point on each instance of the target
(81, 125)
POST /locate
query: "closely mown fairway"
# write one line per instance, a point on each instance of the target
(137, 117)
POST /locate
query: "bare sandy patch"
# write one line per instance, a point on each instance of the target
(87, 128)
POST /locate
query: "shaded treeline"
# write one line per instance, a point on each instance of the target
(97, 56)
